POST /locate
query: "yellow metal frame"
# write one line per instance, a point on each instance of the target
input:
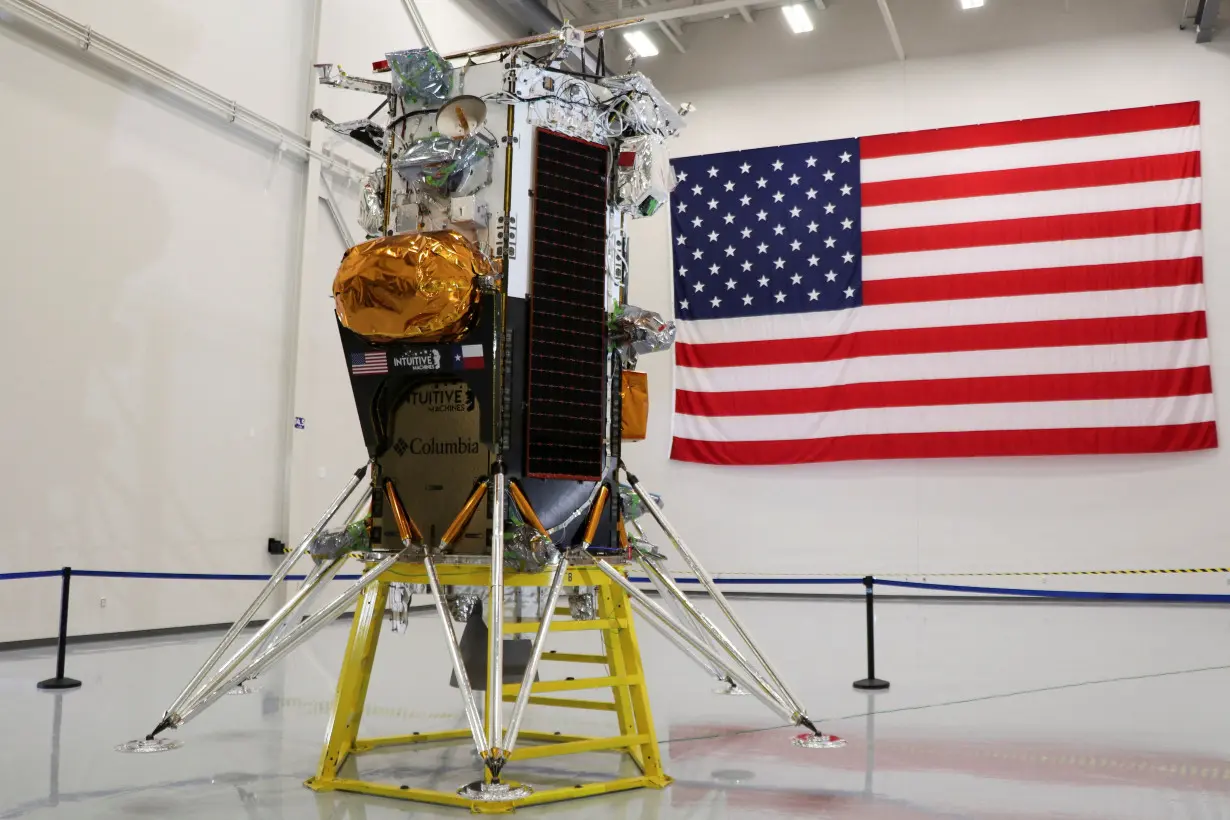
(624, 676)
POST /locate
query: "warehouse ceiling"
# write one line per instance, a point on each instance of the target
(707, 41)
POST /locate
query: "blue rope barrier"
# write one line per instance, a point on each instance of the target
(197, 576)
(42, 573)
(1161, 597)
(769, 581)
(1063, 593)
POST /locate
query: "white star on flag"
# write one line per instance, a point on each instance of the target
(845, 156)
(796, 279)
(764, 281)
(745, 167)
(777, 165)
(715, 301)
(747, 300)
(712, 172)
(811, 162)
(849, 293)
(813, 296)
(831, 276)
(828, 176)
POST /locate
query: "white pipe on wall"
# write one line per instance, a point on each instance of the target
(55, 23)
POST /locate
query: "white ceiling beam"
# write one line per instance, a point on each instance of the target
(745, 14)
(671, 35)
(712, 7)
(892, 29)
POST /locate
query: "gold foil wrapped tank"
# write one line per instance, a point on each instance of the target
(418, 286)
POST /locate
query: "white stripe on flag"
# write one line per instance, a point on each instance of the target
(1162, 194)
(469, 351)
(1032, 154)
(958, 365)
(1141, 248)
(950, 419)
(956, 313)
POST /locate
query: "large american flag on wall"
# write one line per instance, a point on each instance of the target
(1020, 288)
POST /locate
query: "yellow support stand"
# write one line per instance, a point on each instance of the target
(623, 676)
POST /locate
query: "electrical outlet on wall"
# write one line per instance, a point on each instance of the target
(102, 603)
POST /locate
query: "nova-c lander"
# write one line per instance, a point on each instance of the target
(492, 356)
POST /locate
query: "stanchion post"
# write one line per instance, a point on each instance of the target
(59, 681)
(871, 681)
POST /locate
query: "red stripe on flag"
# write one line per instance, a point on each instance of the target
(1176, 115)
(1121, 276)
(1170, 327)
(1032, 229)
(1165, 438)
(1026, 180)
(1138, 384)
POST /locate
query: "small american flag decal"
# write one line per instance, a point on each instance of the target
(366, 364)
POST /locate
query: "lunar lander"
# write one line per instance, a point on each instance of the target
(492, 356)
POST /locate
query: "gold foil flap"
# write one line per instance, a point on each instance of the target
(416, 286)
(634, 401)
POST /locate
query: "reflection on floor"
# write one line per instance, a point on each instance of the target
(1002, 711)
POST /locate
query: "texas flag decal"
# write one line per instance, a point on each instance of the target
(472, 357)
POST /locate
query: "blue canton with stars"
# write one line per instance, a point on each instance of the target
(767, 231)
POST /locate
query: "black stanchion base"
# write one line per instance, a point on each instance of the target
(871, 683)
(59, 683)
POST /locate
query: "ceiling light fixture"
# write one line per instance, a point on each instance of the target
(641, 44)
(966, 5)
(797, 18)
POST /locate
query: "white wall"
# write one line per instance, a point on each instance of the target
(151, 261)
(946, 516)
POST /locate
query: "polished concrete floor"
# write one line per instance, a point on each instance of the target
(997, 710)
